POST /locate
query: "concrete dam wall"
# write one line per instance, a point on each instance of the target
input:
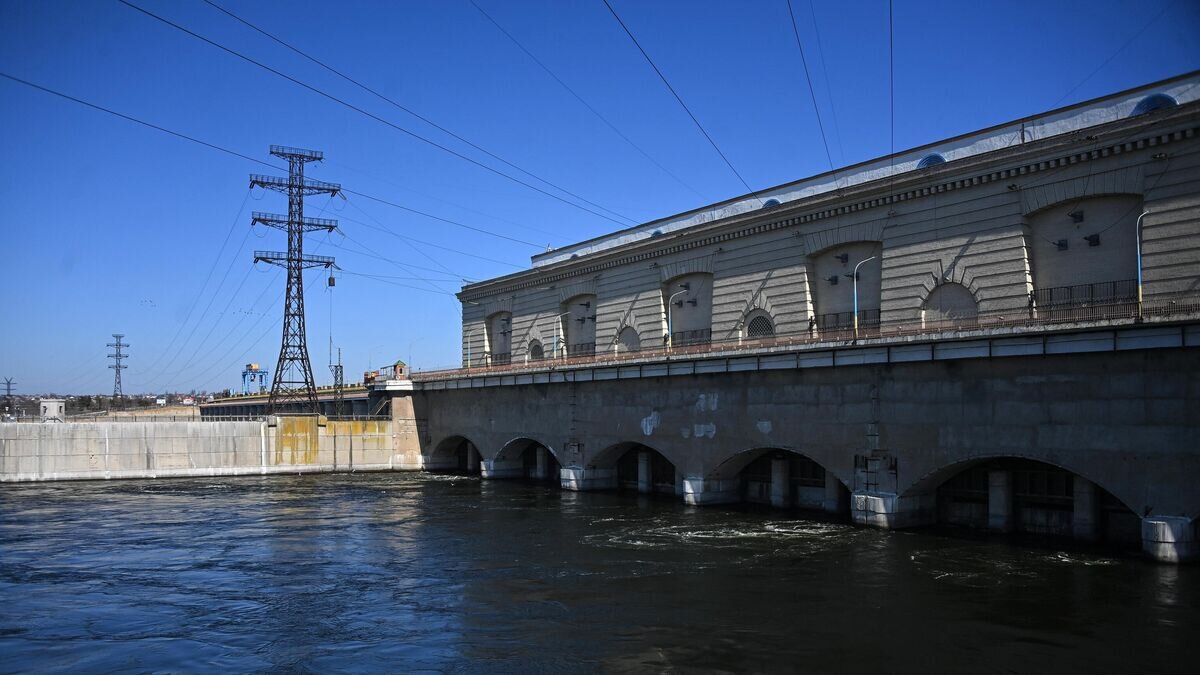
(104, 450)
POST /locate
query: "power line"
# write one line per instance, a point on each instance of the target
(406, 239)
(362, 111)
(456, 205)
(259, 161)
(279, 296)
(891, 98)
(828, 89)
(384, 279)
(200, 291)
(440, 219)
(1120, 49)
(677, 98)
(406, 243)
(581, 100)
(423, 253)
(135, 120)
(207, 307)
(212, 326)
(394, 103)
(808, 79)
(407, 267)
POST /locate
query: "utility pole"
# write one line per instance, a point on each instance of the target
(293, 386)
(338, 384)
(8, 387)
(117, 367)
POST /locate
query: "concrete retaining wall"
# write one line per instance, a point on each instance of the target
(102, 450)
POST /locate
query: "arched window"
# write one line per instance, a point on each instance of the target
(687, 305)
(759, 325)
(1156, 101)
(831, 280)
(628, 340)
(771, 203)
(536, 353)
(578, 317)
(499, 337)
(950, 305)
(931, 159)
(1084, 256)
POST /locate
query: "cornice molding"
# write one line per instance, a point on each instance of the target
(910, 186)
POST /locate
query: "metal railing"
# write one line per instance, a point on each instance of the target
(1085, 302)
(581, 349)
(684, 338)
(500, 358)
(1156, 309)
(867, 319)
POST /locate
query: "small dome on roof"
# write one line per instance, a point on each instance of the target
(771, 203)
(930, 160)
(1155, 101)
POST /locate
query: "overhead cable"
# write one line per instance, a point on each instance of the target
(366, 113)
(581, 100)
(399, 106)
(255, 160)
(679, 99)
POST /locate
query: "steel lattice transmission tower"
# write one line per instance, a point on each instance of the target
(8, 388)
(339, 384)
(293, 386)
(117, 366)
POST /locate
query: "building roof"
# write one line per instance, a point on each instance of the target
(1147, 98)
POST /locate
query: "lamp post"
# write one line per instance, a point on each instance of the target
(671, 303)
(468, 337)
(557, 325)
(1138, 234)
(855, 275)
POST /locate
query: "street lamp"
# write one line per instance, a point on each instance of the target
(855, 275)
(1138, 234)
(467, 337)
(670, 303)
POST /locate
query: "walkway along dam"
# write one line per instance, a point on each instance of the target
(999, 330)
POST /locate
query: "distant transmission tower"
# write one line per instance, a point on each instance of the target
(8, 387)
(339, 383)
(117, 367)
(293, 386)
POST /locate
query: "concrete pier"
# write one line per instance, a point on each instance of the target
(1085, 518)
(645, 481)
(781, 485)
(1001, 507)
(1170, 538)
(701, 492)
(501, 468)
(579, 479)
(836, 495)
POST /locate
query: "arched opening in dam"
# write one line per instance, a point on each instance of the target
(1024, 496)
(638, 468)
(528, 459)
(784, 479)
(455, 454)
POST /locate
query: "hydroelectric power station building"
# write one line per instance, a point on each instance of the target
(997, 330)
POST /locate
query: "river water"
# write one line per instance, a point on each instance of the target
(414, 572)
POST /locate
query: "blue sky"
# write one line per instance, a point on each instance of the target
(112, 227)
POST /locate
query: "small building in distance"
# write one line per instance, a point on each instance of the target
(54, 410)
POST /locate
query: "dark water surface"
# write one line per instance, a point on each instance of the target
(409, 572)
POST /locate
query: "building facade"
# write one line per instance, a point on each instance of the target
(1035, 220)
